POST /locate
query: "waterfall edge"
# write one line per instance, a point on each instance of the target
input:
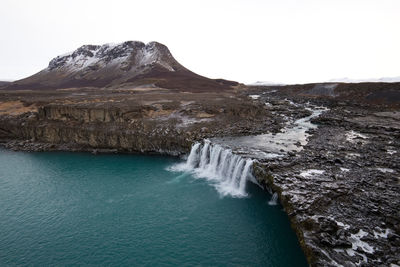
(227, 171)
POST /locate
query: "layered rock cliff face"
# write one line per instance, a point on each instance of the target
(155, 126)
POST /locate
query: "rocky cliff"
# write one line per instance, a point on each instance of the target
(147, 123)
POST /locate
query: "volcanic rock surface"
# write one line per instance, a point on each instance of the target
(341, 188)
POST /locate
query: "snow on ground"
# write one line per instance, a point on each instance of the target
(344, 226)
(380, 233)
(351, 136)
(311, 172)
(385, 170)
(290, 102)
(352, 155)
(355, 240)
(255, 97)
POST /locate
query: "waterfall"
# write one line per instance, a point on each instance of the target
(274, 200)
(227, 172)
(192, 160)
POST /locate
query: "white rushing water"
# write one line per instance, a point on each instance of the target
(291, 138)
(274, 200)
(227, 172)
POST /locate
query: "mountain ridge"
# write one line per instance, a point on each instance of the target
(335, 80)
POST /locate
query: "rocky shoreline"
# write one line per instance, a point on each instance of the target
(340, 189)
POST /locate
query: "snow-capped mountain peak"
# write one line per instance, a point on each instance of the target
(127, 55)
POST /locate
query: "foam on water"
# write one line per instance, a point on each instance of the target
(228, 172)
(274, 200)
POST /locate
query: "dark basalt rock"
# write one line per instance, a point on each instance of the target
(348, 215)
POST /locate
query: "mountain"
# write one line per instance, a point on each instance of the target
(131, 63)
(3, 83)
(338, 80)
(372, 80)
(265, 83)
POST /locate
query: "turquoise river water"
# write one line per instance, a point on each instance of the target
(63, 209)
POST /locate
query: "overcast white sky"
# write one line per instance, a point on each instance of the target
(244, 40)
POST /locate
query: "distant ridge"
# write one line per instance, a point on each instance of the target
(336, 80)
(3, 82)
(265, 83)
(372, 80)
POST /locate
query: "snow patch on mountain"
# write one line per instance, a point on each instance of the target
(111, 55)
(150, 54)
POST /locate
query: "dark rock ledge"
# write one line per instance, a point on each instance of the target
(342, 191)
